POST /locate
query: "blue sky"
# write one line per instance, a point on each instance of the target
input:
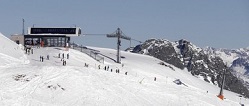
(215, 23)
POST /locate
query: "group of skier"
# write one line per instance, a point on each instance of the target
(106, 68)
(63, 55)
(64, 62)
(28, 50)
(41, 58)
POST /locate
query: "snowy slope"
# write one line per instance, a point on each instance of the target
(10, 52)
(49, 83)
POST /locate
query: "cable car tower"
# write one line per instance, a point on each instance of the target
(119, 35)
(221, 96)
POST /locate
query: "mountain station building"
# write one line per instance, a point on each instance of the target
(48, 37)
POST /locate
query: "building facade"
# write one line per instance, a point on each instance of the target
(50, 37)
(18, 38)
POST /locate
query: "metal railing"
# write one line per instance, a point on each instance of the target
(92, 53)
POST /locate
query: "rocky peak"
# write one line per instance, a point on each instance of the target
(184, 54)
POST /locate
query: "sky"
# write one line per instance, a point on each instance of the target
(215, 23)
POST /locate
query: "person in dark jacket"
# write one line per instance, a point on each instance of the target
(63, 62)
(42, 58)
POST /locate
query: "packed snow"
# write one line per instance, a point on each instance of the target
(26, 81)
(10, 52)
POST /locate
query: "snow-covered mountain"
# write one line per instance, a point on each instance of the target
(228, 55)
(236, 59)
(199, 62)
(85, 81)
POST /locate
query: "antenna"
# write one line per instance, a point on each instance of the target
(23, 27)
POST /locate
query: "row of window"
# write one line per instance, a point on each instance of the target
(53, 30)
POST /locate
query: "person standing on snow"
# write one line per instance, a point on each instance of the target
(68, 56)
(42, 58)
(105, 68)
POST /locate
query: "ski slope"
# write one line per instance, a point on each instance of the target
(10, 52)
(30, 82)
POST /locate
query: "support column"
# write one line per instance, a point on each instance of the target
(118, 46)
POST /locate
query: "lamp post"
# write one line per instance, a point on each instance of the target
(23, 26)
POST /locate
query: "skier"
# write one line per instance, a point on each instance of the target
(42, 58)
(31, 51)
(63, 55)
(155, 79)
(125, 73)
(99, 66)
(68, 56)
(59, 55)
(86, 65)
(111, 70)
(26, 50)
(63, 63)
(47, 57)
(105, 68)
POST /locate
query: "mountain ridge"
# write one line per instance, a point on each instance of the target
(199, 62)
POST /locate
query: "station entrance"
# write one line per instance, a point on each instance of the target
(46, 40)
